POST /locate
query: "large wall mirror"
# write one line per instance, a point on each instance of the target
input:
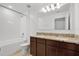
(62, 23)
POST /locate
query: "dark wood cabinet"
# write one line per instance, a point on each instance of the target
(77, 47)
(47, 47)
(40, 40)
(57, 48)
(67, 45)
(59, 52)
(51, 51)
(76, 53)
(33, 46)
(67, 52)
(40, 49)
(52, 43)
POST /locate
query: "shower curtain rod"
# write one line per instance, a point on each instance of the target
(12, 10)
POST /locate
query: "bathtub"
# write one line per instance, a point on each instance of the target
(11, 47)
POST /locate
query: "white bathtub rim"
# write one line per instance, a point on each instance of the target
(7, 42)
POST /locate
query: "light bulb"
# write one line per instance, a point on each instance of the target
(58, 5)
(44, 10)
(48, 9)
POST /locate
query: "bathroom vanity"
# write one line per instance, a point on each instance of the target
(53, 46)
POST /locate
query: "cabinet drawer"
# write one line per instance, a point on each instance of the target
(52, 43)
(40, 40)
(32, 39)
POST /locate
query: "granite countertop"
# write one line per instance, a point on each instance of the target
(65, 39)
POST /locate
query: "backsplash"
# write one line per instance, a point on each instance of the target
(57, 34)
(76, 36)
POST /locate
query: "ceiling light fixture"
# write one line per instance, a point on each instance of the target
(53, 7)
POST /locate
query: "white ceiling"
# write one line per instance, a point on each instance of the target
(35, 7)
(22, 7)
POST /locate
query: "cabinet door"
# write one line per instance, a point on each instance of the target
(40, 49)
(33, 46)
(65, 45)
(59, 52)
(51, 51)
(77, 50)
(68, 52)
(77, 47)
(76, 53)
